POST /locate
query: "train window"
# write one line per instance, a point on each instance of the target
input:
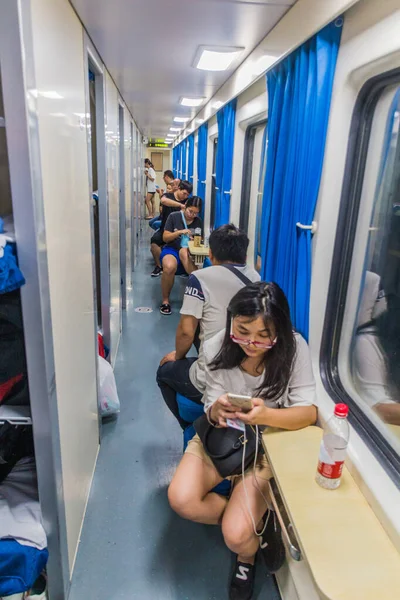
(254, 168)
(361, 345)
(213, 184)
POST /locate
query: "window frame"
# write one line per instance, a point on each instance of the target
(249, 141)
(213, 183)
(356, 158)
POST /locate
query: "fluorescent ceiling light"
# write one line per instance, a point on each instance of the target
(181, 119)
(191, 101)
(216, 59)
(175, 129)
(217, 104)
(199, 121)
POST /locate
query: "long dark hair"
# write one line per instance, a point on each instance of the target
(268, 301)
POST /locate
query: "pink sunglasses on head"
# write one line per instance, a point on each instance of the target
(244, 342)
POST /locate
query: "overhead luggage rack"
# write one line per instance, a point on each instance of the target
(15, 415)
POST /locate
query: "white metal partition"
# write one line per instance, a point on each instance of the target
(16, 63)
(92, 58)
(135, 229)
(128, 197)
(122, 207)
(112, 158)
(57, 33)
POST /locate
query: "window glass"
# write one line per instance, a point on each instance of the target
(374, 350)
(253, 185)
(260, 194)
(213, 185)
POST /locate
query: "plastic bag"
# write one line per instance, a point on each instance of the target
(185, 240)
(109, 401)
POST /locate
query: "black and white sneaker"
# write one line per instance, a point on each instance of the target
(165, 309)
(242, 582)
(157, 272)
(271, 544)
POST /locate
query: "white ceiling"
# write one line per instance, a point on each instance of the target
(149, 47)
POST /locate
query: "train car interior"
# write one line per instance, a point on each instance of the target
(199, 300)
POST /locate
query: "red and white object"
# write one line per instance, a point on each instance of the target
(333, 448)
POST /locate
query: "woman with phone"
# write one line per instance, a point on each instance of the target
(151, 188)
(258, 355)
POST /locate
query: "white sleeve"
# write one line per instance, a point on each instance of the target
(301, 389)
(370, 370)
(193, 298)
(215, 385)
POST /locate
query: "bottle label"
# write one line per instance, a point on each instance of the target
(331, 460)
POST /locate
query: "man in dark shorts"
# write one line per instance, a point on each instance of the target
(170, 203)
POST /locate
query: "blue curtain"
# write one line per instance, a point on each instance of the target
(299, 97)
(180, 154)
(202, 164)
(223, 173)
(184, 159)
(175, 158)
(190, 142)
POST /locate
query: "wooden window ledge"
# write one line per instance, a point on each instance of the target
(349, 553)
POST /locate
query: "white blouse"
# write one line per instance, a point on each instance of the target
(300, 390)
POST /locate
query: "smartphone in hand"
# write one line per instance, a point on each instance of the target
(243, 403)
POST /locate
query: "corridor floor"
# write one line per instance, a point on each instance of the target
(133, 546)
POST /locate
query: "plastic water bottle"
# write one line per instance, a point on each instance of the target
(207, 239)
(333, 449)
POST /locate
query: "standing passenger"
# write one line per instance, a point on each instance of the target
(257, 355)
(168, 179)
(207, 295)
(151, 188)
(179, 228)
(170, 186)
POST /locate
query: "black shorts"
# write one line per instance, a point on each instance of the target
(157, 238)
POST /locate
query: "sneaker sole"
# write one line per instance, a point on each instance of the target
(155, 274)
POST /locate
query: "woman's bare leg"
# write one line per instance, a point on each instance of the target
(237, 527)
(149, 206)
(189, 492)
(186, 261)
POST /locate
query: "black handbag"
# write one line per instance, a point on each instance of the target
(225, 446)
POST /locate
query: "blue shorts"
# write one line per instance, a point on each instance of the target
(168, 250)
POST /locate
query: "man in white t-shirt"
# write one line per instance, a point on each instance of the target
(207, 296)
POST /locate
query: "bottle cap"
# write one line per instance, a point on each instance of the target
(341, 410)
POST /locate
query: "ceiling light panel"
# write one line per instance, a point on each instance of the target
(191, 101)
(181, 119)
(216, 59)
(175, 129)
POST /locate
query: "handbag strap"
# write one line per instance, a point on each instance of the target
(238, 274)
(184, 220)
